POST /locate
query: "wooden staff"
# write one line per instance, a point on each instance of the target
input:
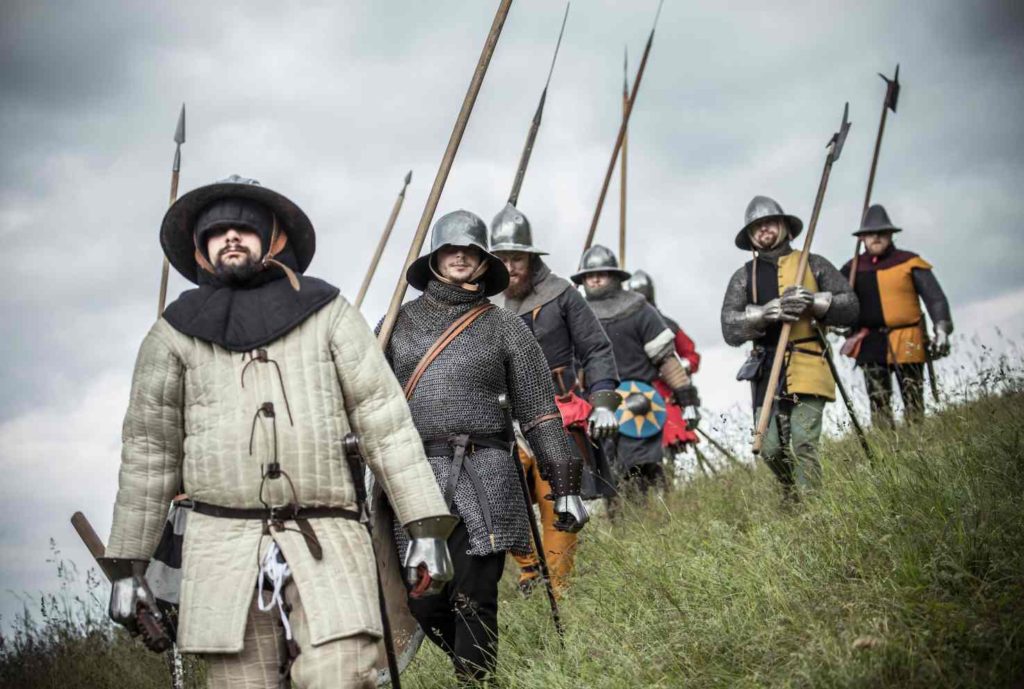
(835, 147)
(892, 94)
(383, 241)
(622, 133)
(446, 165)
(179, 139)
(622, 164)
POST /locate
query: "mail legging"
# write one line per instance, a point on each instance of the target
(346, 663)
(463, 619)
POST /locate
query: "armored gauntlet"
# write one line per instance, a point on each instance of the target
(428, 564)
(602, 421)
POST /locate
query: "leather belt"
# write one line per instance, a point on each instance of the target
(456, 446)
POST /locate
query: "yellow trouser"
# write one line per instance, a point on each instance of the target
(346, 663)
(559, 546)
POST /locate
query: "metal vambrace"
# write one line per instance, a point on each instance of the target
(428, 552)
(672, 371)
(572, 513)
(821, 304)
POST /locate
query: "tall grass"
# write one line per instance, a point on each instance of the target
(908, 572)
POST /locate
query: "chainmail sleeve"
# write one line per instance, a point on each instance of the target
(533, 405)
(736, 328)
(931, 293)
(845, 308)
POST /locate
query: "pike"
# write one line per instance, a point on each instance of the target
(531, 137)
(622, 131)
(179, 139)
(892, 94)
(151, 628)
(531, 517)
(830, 360)
(834, 147)
(622, 162)
(383, 241)
(722, 449)
(388, 325)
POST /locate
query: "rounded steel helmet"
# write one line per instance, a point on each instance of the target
(599, 259)
(641, 282)
(460, 228)
(761, 208)
(510, 231)
(876, 220)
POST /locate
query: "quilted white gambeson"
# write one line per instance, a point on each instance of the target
(190, 418)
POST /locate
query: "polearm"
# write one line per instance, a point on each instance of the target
(383, 242)
(446, 165)
(179, 139)
(531, 137)
(622, 162)
(622, 132)
(830, 360)
(835, 147)
(892, 94)
(722, 449)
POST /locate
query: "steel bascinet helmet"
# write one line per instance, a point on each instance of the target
(641, 282)
(761, 208)
(876, 220)
(177, 231)
(510, 231)
(599, 259)
(460, 228)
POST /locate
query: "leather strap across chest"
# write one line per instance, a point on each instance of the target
(447, 337)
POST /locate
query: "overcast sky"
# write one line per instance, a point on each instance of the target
(331, 103)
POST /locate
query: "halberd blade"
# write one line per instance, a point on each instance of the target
(892, 91)
(839, 138)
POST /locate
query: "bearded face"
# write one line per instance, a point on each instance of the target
(600, 285)
(234, 254)
(520, 273)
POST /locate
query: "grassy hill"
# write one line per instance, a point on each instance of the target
(905, 573)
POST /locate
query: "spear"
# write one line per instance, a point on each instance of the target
(446, 165)
(622, 132)
(892, 94)
(179, 139)
(524, 158)
(622, 173)
(835, 147)
(383, 241)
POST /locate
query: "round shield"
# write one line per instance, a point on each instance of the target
(641, 414)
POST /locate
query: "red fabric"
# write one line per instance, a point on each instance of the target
(575, 410)
(674, 431)
(687, 350)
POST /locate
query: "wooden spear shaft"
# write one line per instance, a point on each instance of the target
(385, 236)
(622, 173)
(834, 148)
(867, 194)
(620, 136)
(446, 165)
(179, 139)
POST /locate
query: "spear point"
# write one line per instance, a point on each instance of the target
(179, 139)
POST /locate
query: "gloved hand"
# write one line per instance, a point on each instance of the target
(602, 423)
(939, 346)
(796, 300)
(127, 595)
(691, 415)
(428, 564)
(772, 312)
(686, 396)
(572, 513)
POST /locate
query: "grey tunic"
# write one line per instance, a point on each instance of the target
(458, 393)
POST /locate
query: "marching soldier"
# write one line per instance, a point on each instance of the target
(568, 332)
(760, 297)
(644, 348)
(890, 336)
(455, 353)
(243, 393)
(677, 434)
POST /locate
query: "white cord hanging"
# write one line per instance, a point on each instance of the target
(275, 571)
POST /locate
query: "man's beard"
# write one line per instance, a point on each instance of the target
(603, 292)
(521, 288)
(237, 274)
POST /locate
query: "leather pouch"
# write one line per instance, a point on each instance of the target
(753, 366)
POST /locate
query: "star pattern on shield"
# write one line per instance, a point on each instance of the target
(641, 420)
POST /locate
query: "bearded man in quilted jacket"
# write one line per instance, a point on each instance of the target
(454, 398)
(242, 395)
